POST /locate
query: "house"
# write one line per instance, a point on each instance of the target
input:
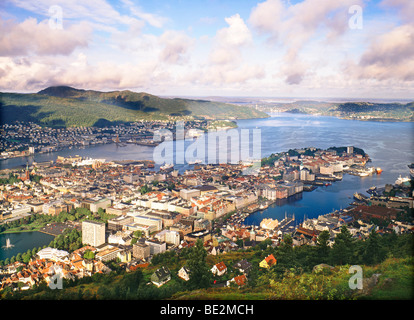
(161, 276)
(184, 273)
(240, 281)
(219, 269)
(244, 266)
(267, 262)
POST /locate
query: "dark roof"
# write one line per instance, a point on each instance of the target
(162, 273)
(243, 264)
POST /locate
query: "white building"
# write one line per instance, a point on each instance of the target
(93, 233)
(169, 236)
(52, 254)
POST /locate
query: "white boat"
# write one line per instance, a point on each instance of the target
(363, 174)
(402, 180)
(167, 166)
(198, 161)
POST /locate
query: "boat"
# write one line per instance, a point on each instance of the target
(363, 174)
(379, 170)
(198, 161)
(167, 166)
(402, 180)
(360, 196)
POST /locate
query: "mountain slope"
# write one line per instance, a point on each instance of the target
(67, 106)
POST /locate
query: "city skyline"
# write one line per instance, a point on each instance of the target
(311, 48)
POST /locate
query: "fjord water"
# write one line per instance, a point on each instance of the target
(390, 145)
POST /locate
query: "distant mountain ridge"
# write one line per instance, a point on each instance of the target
(68, 106)
(366, 111)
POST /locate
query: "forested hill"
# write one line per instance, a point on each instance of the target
(349, 110)
(67, 106)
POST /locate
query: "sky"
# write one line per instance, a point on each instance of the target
(271, 48)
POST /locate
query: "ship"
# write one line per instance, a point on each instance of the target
(411, 167)
(360, 197)
(402, 180)
(167, 166)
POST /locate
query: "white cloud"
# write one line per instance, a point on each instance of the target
(292, 27)
(31, 37)
(389, 56)
(236, 34)
(175, 45)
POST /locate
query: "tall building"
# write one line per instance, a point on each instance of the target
(93, 233)
(350, 150)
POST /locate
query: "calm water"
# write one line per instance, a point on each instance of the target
(389, 144)
(22, 242)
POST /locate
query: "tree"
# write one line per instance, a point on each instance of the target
(200, 275)
(322, 246)
(343, 248)
(89, 254)
(373, 251)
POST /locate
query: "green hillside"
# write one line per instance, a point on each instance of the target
(349, 110)
(66, 106)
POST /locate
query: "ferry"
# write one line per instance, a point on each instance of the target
(167, 166)
(360, 196)
(402, 180)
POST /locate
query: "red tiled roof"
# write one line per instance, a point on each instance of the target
(221, 266)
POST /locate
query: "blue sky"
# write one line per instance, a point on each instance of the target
(275, 48)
